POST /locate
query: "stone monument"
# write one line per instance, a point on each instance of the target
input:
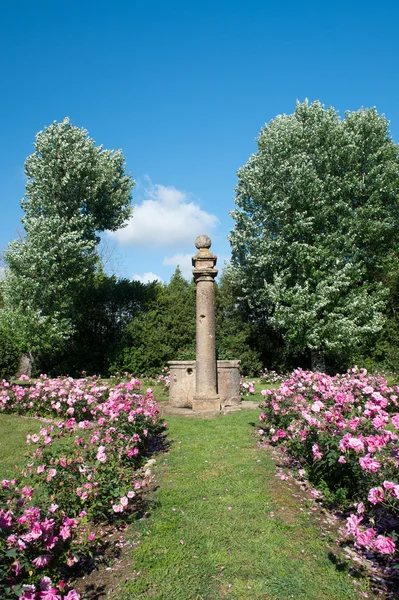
(206, 396)
(205, 384)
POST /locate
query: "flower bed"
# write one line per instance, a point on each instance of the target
(247, 387)
(342, 432)
(270, 376)
(86, 465)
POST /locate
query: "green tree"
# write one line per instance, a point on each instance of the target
(315, 226)
(234, 334)
(163, 331)
(74, 190)
(104, 307)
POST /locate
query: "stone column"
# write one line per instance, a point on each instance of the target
(206, 397)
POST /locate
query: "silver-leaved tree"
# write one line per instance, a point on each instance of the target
(74, 190)
(316, 225)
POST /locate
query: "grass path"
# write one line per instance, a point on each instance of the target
(210, 534)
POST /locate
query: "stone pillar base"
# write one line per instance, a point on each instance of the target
(206, 403)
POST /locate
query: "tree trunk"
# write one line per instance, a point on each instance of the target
(317, 361)
(25, 365)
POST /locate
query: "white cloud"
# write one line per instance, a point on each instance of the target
(166, 218)
(146, 278)
(181, 260)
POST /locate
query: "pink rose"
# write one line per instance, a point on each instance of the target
(375, 495)
(385, 545)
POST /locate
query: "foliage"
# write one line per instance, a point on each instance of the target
(315, 227)
(9, 352)
(74, 190)
(84, 469)
(385, 353)
(342, 431)
(104, 306)
(156, 335)
(233, 332)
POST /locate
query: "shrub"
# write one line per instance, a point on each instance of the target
(86, 466)
(343, 432)
(9, 354)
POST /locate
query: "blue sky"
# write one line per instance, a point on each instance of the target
(183, 88)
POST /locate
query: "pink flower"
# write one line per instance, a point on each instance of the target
(101, 456)
(394, 419)
(50, 594)
(379, 422)
(65, 532)
(40, 469)
(124, 501)
(365, 538)
(42, 560)
(36, 530)
(45, 583)
(369, 464)
(352, 524)
(5, 519)
(375, 495)
(316, 452)
(385, 545)
(355, 444)
(72, 595)
(368, 390)
(360, 508)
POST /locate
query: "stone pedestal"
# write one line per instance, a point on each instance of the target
(182, 383)
(229, 382)
(183, 377)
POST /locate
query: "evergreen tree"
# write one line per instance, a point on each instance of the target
(164, 331)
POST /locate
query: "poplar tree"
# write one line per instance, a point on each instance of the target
(316, 224)
(74, 190)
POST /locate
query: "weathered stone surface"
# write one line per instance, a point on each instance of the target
(25, 365)
(206, 397)
(203, 241)
(182, 383)
(204, 385)
(228, 382)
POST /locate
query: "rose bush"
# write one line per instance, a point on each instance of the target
(343, 433)
(86, 465)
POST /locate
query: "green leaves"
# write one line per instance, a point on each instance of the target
(316, 219)
(74, 189)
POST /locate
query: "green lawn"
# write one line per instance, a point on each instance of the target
(13, 446)
(257, 397)
(218, 528)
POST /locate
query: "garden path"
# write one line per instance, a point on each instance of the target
(223, 526)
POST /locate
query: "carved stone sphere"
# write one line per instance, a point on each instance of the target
(203, 241)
